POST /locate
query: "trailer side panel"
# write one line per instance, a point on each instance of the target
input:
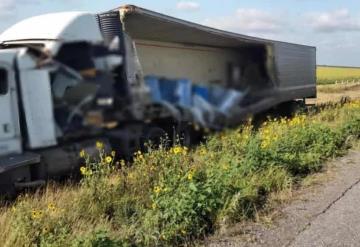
(296, 68)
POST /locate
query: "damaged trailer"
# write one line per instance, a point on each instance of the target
(264, 72)
(127, 77)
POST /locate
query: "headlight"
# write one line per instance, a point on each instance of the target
(105, 101)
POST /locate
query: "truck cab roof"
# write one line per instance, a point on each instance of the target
(52, 29)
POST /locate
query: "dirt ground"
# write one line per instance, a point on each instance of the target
(335, 92)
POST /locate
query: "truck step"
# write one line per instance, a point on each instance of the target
(10, 162)
(28, 185)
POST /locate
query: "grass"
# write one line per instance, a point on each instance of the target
(339, 88)
(332, 74)
(173, 196)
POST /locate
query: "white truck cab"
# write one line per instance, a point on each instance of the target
(48, 33)
(36, 84)
(10, 136)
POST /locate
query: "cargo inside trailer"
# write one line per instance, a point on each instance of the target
(171, 48)
(239, 68)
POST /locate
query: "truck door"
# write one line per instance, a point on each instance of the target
(10, 141)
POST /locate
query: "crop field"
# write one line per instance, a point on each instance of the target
(175, 195)
(330, 74)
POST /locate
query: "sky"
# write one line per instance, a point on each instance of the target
(333, 26)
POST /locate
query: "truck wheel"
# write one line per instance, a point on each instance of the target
(153, 137)
(185, 134)
(8, 191)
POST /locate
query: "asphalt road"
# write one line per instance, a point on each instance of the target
(338, 226)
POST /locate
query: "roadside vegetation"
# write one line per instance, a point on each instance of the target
(333, 74)
(173, 196)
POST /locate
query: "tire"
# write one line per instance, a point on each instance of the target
(185, 135)
(153, 137)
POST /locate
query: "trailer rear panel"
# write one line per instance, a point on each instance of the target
(296, 68)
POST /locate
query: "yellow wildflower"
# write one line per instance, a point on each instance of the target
(153, 206)
(264, 144)
(83, 170)
(36, 214)
(33, 214)
(113, 153)
(298, 120)
(45, 230)
(99, 145)
(177, 150)
(82, 153)
(190, 176)
(51, 207)
(108, 159)
(203, 151)
(157, 190)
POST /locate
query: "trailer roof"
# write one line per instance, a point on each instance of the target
(146, 24)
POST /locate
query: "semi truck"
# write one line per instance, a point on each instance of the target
(126, 77)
